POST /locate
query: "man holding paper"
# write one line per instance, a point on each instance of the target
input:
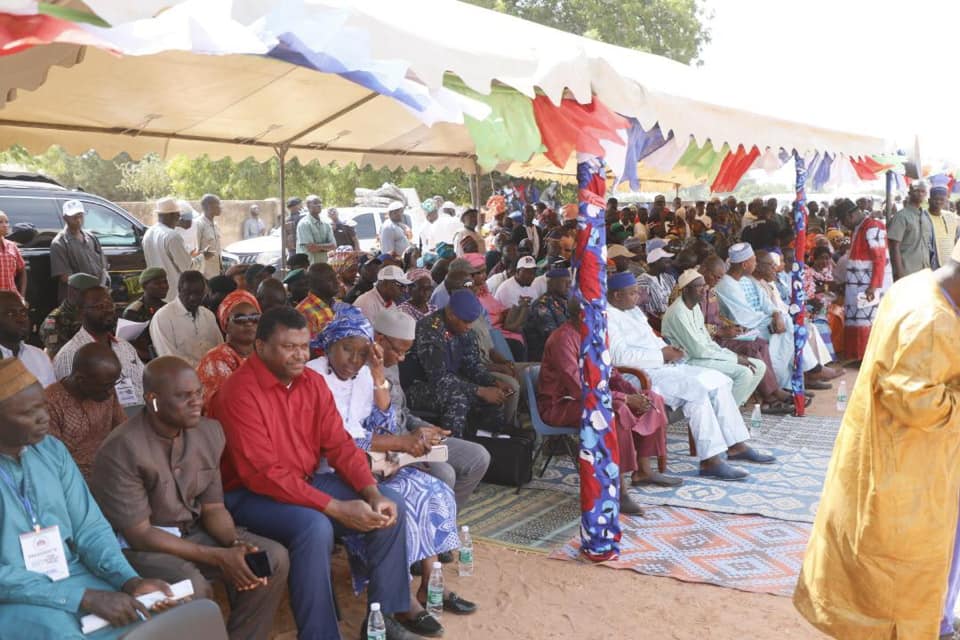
(157, 480)
(59, 559)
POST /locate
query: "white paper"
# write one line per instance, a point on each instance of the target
(129, 330)
(183, 589)
(863, 303)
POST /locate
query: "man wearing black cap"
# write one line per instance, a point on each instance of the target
(298, 284)
(547, 313)
(294, 213)
(447, 373)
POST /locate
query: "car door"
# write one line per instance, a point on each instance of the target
(120, 238)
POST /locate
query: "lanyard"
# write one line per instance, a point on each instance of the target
(22, 494)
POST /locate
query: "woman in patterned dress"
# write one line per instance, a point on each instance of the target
(351, 365)
(238, 314)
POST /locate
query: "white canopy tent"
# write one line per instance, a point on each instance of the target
(175, 102)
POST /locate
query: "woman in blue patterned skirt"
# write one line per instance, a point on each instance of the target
(353, 369)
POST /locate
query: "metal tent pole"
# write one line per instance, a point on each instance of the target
(281, 151)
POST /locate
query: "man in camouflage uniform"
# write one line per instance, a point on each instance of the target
(547, 313)
(63, 322)
(448, 377)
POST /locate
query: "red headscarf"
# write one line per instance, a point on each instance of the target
(234, 298)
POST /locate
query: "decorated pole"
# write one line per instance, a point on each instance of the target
(797, 298)
(599, 456)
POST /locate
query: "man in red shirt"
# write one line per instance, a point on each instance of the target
(292, 473)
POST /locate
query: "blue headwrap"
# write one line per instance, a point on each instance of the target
(428, 206)
(349, 322)
(445, 250)
(620, 280)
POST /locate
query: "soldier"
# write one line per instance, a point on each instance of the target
(449, 377)
(63, 322)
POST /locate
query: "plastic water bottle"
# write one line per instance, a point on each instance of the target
(435, 591)
(842, 396)
(465, 565)
(376, 628)
(756, 418)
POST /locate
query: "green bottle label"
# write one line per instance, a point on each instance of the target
(435, 597)
(466, 556)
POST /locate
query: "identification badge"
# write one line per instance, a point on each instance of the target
(43, 552)
(126, 393)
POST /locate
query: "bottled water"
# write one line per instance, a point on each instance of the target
(756, 418)
(376, 629)
(435, 591)
(465, 565)
(842, 396)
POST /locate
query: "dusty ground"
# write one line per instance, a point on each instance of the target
(525, 596)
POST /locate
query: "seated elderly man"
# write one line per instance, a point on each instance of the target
(83, 407)
(705, 395)
(99, 318)
(46, 504)
(184, 327)
(467, 461)
(292, 473)
(683, 326)
(641, 417)
(448, 375)
(157, 481)
(389, 290)
(745, 303)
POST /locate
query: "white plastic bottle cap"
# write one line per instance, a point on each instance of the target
(437, 565)
(374, 606)
(465, 528)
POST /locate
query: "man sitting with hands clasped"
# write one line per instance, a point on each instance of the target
(157, 479)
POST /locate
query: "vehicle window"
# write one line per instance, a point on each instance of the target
(111, 228)
(40, 212)
(366, 225)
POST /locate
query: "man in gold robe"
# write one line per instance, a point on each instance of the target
(880, 553)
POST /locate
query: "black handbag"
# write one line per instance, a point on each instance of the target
(511, 459)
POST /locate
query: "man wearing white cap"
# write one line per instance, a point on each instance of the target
(513, 290)
(314, 236)
(163, 247)
(705, 395)
(393, 234)
(75, 250)
(467, 461)
(683, 326)
(655, 285)
(744, 302)
(391, 283)
(447, 225)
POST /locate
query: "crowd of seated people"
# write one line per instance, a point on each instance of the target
(252, 413)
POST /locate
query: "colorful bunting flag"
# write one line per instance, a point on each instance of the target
(733, 168)
(572, 125)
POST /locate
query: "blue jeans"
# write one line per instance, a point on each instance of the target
(308, 535)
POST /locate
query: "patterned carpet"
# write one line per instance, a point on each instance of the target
(787, 490)
(534, 520)
(749, 553)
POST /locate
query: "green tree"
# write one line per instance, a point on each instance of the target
(672, 28)
(145, 180)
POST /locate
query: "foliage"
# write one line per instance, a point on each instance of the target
(672, 28)
(145, 180)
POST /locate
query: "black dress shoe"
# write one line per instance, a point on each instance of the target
(455, 604)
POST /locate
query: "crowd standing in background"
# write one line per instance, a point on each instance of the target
(241, 412)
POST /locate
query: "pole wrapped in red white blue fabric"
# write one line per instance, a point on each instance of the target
(797, 297)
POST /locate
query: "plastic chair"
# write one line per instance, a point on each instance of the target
(197, 619)
(547, 432)
(500, 344)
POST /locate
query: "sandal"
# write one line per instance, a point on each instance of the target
(423, 624)
(455, 604)
(778, 408)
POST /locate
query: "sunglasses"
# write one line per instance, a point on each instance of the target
(246, 318)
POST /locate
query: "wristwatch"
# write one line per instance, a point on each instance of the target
(383, 386)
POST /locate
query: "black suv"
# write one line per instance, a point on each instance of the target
(34, 198)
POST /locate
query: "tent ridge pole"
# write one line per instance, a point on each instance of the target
(335, 116)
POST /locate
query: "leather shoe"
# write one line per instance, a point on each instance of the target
(723, 471)
(752, 455)
(455, 604)
(627, 506)
(395, 630)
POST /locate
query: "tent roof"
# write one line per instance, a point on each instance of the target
(177, 102)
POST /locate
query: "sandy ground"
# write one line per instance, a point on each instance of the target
(527, 596)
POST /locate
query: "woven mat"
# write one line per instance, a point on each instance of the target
(749, 553)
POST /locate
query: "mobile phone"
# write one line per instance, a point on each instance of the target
(509, 392)
(259, 564)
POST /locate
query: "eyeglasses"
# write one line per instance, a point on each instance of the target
(246, 318)
(401, 353)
